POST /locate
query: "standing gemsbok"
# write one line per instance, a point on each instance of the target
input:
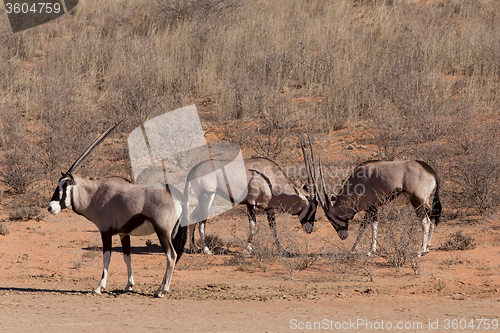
(374, 183)
(117, 206)
(264, 185)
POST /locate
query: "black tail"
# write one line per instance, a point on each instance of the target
(436, 205)
(180, 240)
(180, 237)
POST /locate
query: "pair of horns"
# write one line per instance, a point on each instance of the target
(311, 175)
(94, 145)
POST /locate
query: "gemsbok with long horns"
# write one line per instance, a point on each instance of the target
(375, 183)
(264, 185)
(116, 206)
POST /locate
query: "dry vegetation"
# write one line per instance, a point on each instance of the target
(421, 78)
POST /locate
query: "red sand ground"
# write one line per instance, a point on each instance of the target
(49, 269)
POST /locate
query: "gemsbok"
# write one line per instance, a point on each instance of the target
(375, 183)
(265, 185)
(116, 206)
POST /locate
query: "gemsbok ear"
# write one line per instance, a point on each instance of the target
(333, 197)
(71, 179)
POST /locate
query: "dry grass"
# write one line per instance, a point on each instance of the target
(410, 72)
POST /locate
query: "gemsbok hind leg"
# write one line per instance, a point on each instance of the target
(252, 227)
(167, 246)
(426, 223)
(431, 230)
(191, 230)
(125, 239)
(106, 257)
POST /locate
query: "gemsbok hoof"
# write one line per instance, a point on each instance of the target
(159, 294)
(422, 253)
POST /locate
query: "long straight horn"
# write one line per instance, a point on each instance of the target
(94, 144)
(325, 206)
(312, 186)
(323, 186)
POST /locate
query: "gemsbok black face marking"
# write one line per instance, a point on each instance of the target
(61, 198)
(116, 206)
(267, 186)
(374, 183)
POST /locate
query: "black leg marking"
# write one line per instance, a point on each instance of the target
(252, 221)
(125, 239)
(107, 241)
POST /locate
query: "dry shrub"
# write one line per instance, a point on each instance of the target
(344, 262)
(458, 241)
(305, 251)
(476, 168)
(26, 213)
(215, 244)
(4, 231)
(399, 235)
(268, 135)
(20, 170)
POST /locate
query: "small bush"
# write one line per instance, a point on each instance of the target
(3, 230)
(26, 213)
(458, 241)
(20, 170)
(399, 235)
(215, 244)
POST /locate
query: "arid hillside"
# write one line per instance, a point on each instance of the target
(368, 79)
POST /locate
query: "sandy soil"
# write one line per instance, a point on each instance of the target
(49, 269)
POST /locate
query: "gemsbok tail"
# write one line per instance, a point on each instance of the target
(436, 205)
(180, 237)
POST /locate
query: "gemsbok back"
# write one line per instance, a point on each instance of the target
(116, 206)
(375, 183)
(265, 186)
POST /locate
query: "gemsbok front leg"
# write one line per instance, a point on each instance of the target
(271, 219)
(370, 218)
(125, 239)
(106, 257)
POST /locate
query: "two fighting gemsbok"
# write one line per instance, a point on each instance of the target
(375, 183)
(116, 206)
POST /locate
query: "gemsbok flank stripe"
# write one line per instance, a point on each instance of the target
(116, 206)
(265, 186)
(375, 183)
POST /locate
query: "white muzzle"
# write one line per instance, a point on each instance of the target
(54, 207)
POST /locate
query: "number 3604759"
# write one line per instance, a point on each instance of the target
(36, 8)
